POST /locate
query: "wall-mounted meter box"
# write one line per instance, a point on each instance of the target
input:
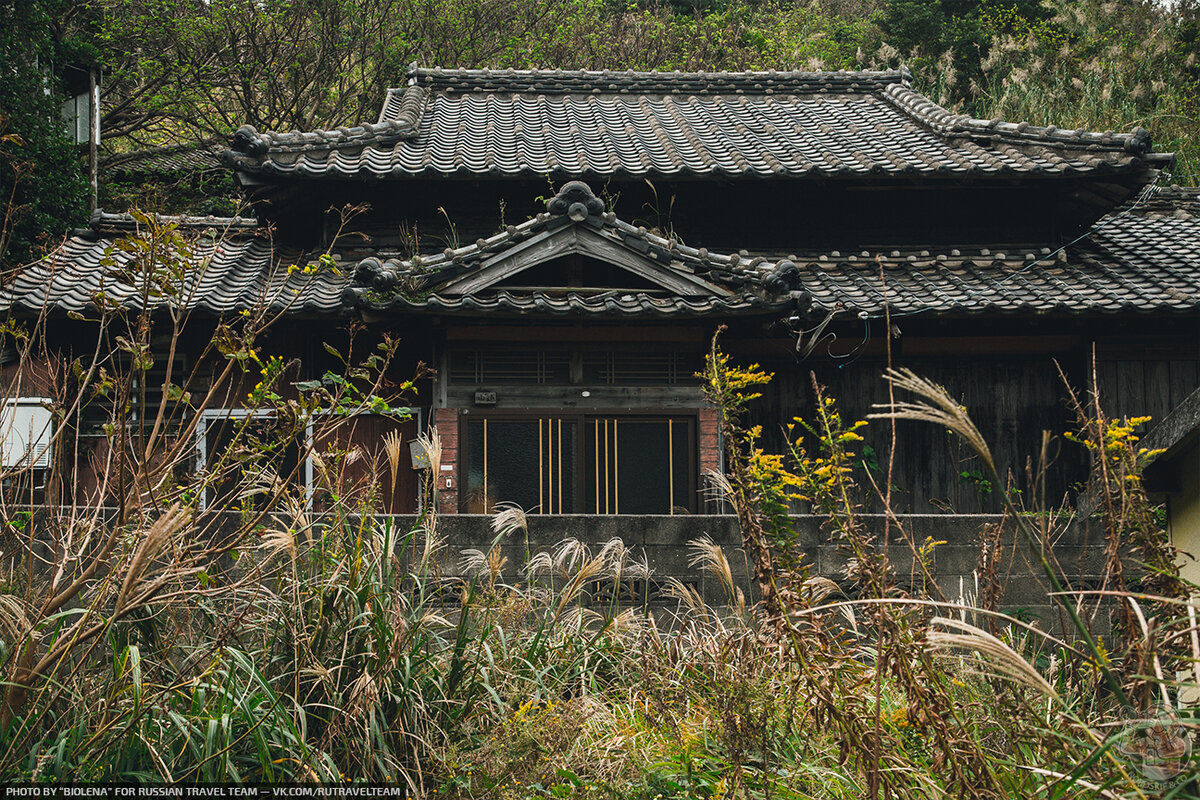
(26, 432)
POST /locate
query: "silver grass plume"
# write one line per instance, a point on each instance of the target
(591, 569)
(162, 532)
(570, 553)
(541, 562)
(1003, 659)
(508, 519)
(708, 555)
(939, 409)
(392, 441)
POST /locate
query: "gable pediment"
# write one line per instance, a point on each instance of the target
(578, 258)
(575, 239)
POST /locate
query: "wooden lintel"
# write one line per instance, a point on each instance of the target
(595, 334)
(990, 345)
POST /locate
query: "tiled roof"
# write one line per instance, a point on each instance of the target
(170, 159)
(235, 269)
(1141, 259)
(482, 122)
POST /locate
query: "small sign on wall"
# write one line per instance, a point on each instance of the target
(485, 398)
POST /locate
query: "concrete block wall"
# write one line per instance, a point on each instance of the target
(664, 543)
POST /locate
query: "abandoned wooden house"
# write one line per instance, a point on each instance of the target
(561, 246)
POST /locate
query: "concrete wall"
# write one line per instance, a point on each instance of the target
(1183, 519)
(664, 541)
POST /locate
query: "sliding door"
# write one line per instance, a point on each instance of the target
(582, 464)
(530, 462)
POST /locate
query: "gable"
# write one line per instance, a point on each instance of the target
(576, 273)
(557, 246)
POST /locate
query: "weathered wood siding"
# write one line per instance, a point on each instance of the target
(1012, 397)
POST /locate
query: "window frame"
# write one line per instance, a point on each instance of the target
(202, 426)
(39, 448)
(306, 445)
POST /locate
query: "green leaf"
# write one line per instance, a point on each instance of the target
(333, 352)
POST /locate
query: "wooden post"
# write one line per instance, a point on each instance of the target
(93, 137)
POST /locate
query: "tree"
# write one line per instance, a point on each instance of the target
(42, 187)
(204, 68)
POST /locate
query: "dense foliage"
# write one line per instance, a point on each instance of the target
(182, 70)
(42, 187)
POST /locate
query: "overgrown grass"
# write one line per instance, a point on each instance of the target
(144, 639)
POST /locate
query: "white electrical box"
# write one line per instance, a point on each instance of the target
(26, 432)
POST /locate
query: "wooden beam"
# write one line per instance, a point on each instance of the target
(682, 284)
(592, 334)
(535, 250)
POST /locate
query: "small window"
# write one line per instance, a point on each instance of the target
(509, 367)
(26, 433)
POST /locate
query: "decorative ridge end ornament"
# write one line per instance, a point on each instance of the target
(1139, 141)
(784, 278)
(248, 140)
(575, 200)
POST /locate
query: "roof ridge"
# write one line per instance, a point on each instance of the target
(932, 115)
(212, 144)
(124, 222)
(399, 119)
(552, 81)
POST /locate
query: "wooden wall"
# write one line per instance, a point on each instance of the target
(1011, 389)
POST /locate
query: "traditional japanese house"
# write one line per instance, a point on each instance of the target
(561, 246)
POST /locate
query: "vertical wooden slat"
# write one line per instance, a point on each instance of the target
(670, 466)
(1158, 390)
(605, 466)
(616, 471)
(1183, 381)
(1106, 378)
(1131, 390)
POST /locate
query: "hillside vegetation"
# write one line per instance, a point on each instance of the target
(181, 70)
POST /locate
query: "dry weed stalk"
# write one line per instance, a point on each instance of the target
(939, 408)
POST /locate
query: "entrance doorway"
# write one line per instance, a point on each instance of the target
(580, 463)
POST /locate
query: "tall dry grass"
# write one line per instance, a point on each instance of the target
(143, 639)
